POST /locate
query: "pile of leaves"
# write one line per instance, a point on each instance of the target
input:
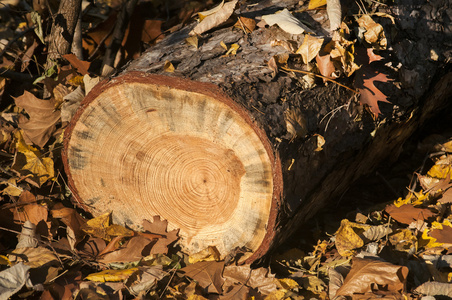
(53, 251)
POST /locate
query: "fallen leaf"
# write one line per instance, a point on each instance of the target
(443, 236)
(404, 240)
(260, 279)
(28, 237)
(209, 254)
(326, 66)
(334, 11)
(192, 40)
(168, 67)
(148, 278)
(407, 213)
(216, 17)
(207, 274)
(71, 103)
(435, 289)
(290, 46)
(211, 11)
(246, 24)
(81, 66)
(43, 118)
(13, 279)
(34, 257)
(309, 48)
(132, 250)
(29, 161)
(159, 226)
(296, 124)
(365, 272)
(349, 237)
(74, 222)
(374, 34)
(316, 3)
(286, 21)
(111, 275)
(370, 95)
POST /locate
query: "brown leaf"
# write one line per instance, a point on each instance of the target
(28, 56)
(369, 93)
(133, 250)
(81, 66)
(259, 279)
(365, 272)
(407, 213)
(160, 227)
(325, 65)
(215, 19)
(245, 24)
(74, 222)
(207, 274)
(442, 235)
(43, 118)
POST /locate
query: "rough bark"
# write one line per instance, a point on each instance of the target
(303, 178)
(63, 27)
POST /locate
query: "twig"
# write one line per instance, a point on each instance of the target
(320, 76)
(167, 285)
(16, 75)
(100, 44)
(16, 38)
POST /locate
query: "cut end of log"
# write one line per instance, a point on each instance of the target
(145, 145)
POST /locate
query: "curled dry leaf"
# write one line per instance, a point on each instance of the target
(286, 21)
(246, 24)
(207, 274)
(168, 67)
(13, 279)
(295, 123)
(310, 48)
(260, 279)
(365, 272)
(290, 46)
(326, 66)
(374, 34)
(219, 15)
(349, 237)
(313, 4)
(81, 66)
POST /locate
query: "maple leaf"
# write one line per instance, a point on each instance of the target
(43, 118)
(365, 83)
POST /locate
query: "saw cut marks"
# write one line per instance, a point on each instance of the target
(141, 149)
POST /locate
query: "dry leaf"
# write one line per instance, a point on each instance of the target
(192, 40)
(13, 279)
(407, 213)
(211, 11)
(81, 66)
(310, 48)
(365, 272)
(260, 279)
(290, 46)
(29, 161)
(369, 93)
(295, 123)
(132, 250)
(71, 104)
(435, 289)
(207, 274)
(326, 66)
(219, 15)
(334, 11)
(43, 118)
(112, 275)
(159, 226)
(209, 254)
(316, 3)
(349, 237)
(246, 24)
(35, 257)
(286, 21)
(168, 67)
(374, 34)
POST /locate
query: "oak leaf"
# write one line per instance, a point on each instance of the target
(160, 227)
(207, 274)
(214, 17)
(43, 118)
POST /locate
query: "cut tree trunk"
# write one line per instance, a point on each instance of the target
(211, 147)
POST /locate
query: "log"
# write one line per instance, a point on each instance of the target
(211, 147)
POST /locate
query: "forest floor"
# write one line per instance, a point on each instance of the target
(387, 237)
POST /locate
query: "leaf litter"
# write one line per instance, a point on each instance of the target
(69, 253)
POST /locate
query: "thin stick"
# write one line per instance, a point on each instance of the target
(321, 76)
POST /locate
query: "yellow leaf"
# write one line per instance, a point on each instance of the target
(102, 221)
(118, 230)
(277, 295)
(168, 67)
(347, 237)
(193, 40)
(4, 260)
(12, 189)
(111, 275)
(288, 283)
(30, 161)
(76, 80)
(34, 257)
(439, 171)
(415, 199)
(316, 3)
(310, 47)
(232, 50)
(209, 254)
(222, 44)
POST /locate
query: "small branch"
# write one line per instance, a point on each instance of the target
(16, 75)
(77, 47)
(320, 76)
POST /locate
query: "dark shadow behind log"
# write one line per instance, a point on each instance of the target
(304, 178)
